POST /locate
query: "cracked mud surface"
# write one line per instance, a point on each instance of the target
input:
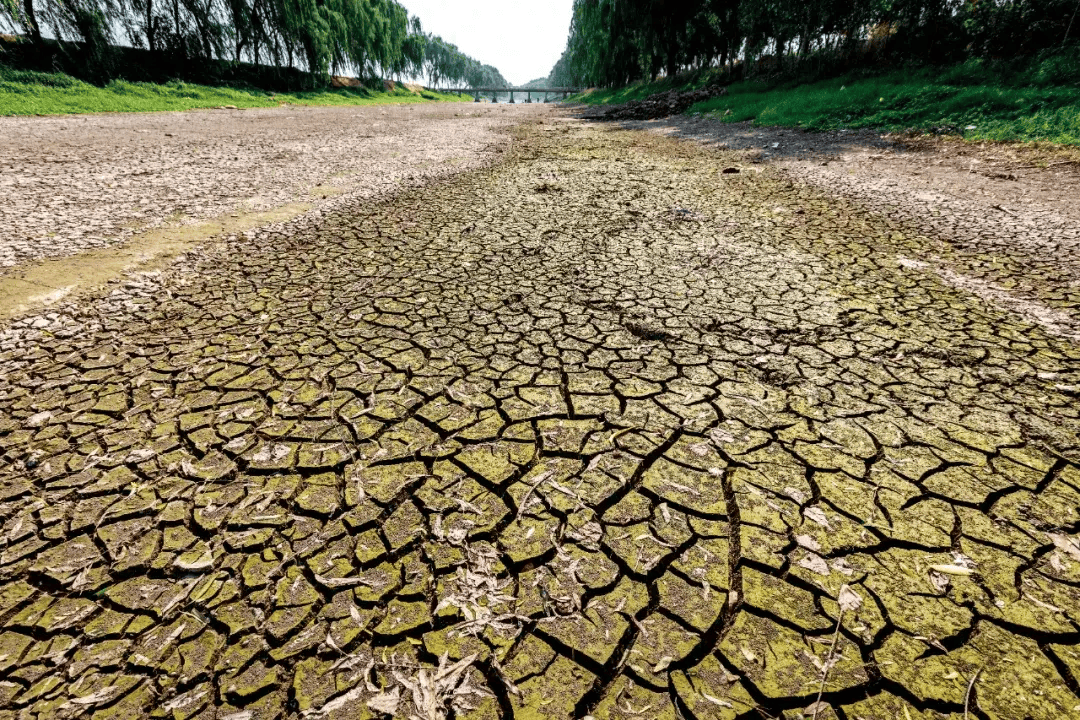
(74, 183)
(1013, 228)
(598, 431)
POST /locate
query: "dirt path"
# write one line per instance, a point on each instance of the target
(600, 431)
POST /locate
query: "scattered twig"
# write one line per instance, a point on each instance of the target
(970, 687)
(848, 599)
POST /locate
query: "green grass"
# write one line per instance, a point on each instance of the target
(1040, 102)
(33, 93)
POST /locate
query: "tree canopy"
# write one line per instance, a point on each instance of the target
(373, 38)
(613, 42)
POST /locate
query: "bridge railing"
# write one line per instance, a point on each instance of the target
(512, 91)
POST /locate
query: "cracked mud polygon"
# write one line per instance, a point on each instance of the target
(599, 431)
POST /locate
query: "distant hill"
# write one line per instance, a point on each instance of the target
(538, 83)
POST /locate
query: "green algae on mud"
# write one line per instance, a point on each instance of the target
(607, 426)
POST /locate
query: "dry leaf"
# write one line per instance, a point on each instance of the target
(849, 600)
(817, 515)
(815, 563)
(953, 570)
(386, 702)
(716, 700)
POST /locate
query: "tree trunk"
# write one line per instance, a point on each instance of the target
(150, 26)
(31, 21)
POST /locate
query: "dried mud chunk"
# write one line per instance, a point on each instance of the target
(238, 653)
(237, 616)
(198, 654)
(706, 560)
(285, 622)
(212, 467)
(251, 682)
(567, 435)
(887, 705)
(763, 546)
(66, 613)
(927, 522)
(302, 641)
(105, 654)
(686, 487)
(784, 600)
(660, 642)
(555, 693)
(710, 691)
(313, 683)
(591, 569)
(382, 482)
(258, 569)
(12, 646)
(195, 703)
(901, 580)
(404, 526)
(971, 485)
(1022, 682)
(133, 704)
(1044, 606)
(64, 562)
(826, 456)
(319, 500)
(697, 605)
(594, 633)
(108, 623)
(625, 699)
(528, 538)
(403, 617)
(638, 547)
(768, 511)
(496, 462)
(783, 663)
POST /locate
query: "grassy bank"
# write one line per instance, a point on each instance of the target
(33, 93)
(1041, 102)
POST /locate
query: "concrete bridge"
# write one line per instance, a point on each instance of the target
(528, 92)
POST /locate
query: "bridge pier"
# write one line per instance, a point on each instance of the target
(544, 95)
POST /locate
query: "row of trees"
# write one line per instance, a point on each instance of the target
(323, 37)
(613, 42)
(444, 63)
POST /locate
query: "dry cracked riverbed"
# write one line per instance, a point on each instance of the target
(598, 431)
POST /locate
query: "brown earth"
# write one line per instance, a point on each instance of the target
(600, 430)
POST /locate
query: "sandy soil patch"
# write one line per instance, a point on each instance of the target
(1007, 217)
(91, 182)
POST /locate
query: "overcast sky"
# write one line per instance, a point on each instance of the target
(522, 38)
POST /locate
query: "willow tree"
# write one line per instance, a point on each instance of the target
(370, 37)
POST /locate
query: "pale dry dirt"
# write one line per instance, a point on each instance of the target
(596, 430)
(139, 187)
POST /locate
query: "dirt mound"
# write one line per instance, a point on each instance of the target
(341, 81)
(672, 102)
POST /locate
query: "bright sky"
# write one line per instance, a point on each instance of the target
(523, 39)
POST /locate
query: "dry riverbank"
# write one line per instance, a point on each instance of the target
(134, 190)
(599, 430)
